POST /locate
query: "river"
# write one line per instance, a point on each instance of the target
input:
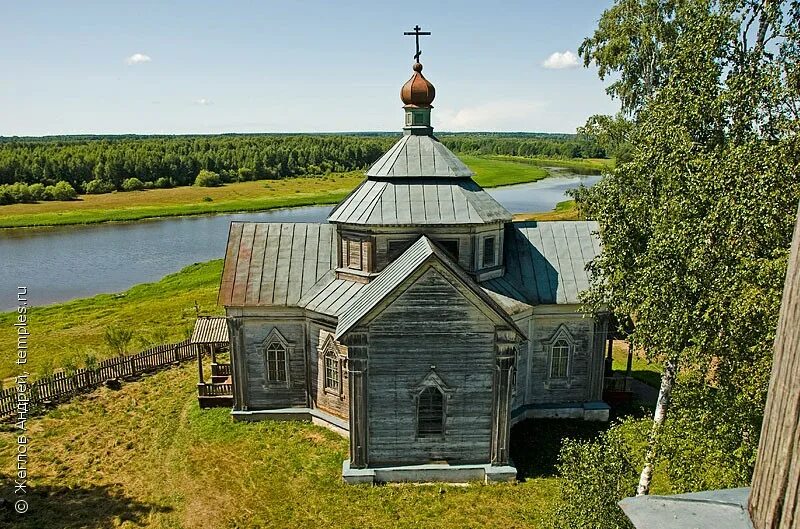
(68, 262)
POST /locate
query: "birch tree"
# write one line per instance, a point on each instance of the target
(696, 224)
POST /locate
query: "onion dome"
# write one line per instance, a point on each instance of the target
(418, 92)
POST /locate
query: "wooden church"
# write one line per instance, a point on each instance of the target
(419, 321)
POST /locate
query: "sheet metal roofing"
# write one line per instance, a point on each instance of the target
(210, 329)
(407, 202)
(546, 261)
(397, 272)
(275, 263)
(419, 156)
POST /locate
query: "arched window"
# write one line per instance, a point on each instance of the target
(333, 372)
(430, 412)
(276, 361)
(559, 358)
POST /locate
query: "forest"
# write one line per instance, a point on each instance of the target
(98, 164)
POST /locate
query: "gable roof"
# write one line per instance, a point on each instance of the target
(419, 201)
(401, 269)
(275, 263)
(415, 156)
(546, 262)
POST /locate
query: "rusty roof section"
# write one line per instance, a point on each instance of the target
(418, 92)
(210, 329)
(275, 263)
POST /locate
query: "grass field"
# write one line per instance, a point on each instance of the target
(641, 369)
(147, 456)
(575, 165)
(566, 210)
(244, 196)
(65, 334)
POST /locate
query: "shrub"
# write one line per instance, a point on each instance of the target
(37, 192)
(132, 184)
(207, 178)
(596, 474)
(61, 191)
(118, 338)
(20, 192)
(97, 187)
(208, 199)
(246, 174)
(5, 196)
(163, 183)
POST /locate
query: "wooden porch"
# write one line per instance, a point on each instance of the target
(211, 337)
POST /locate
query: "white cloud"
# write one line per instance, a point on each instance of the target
(505, 115)
(202, 101)
(137, 58)
(561, 61)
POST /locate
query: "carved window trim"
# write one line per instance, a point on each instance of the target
(330, 353)
(274, 342)
(431, 382)
(562, 344)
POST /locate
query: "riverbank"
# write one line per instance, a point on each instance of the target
(238, 197)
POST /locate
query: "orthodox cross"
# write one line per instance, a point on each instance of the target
(416, 34)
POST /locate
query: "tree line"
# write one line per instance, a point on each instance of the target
(101, 164)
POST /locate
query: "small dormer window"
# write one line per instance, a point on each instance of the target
(355, 253)
(489, 251)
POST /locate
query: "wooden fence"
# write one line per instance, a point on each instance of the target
(61, 386)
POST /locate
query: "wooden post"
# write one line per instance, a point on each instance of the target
(357, 354)
(610, 355)
(505, 355)
(775, 495)
(200, 379)
(629, 364)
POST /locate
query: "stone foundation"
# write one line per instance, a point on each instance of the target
(428, 474)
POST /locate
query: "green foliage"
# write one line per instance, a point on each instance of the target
(37, 192)
(118, 338)
(245, 174)
(61, 191)
(207, 179)
(132, 184)
(163, 183)
(596, 474)
(696, 225)
(97, 187)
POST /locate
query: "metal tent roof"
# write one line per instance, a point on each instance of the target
(419, 201)
(419, 156)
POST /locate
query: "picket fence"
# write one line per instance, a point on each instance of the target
(61, 386)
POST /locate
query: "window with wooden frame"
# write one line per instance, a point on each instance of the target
(276, 354)
(489, 251)
(333, 371)
(559, 358)
(430, 412)
(352, 254)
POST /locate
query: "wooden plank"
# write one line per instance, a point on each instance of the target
(774, 501)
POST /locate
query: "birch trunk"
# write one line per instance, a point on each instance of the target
(662, 406)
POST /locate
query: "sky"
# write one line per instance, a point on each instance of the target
(204, 67)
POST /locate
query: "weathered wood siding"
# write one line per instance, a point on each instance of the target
(536, 385)
(337, 405)
(464, 236)
(260, 393)
(430, 324)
